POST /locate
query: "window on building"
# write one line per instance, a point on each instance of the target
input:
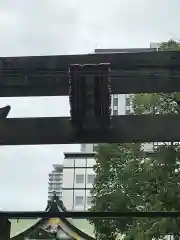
(56, 186)
(128, 111)
(128, 107)
(115, 102)
(89, 200)
(115, 112)
(79, 200)
(90, 178)
(57, 178)
(128, 101)
(94, 147)
(115, 107)
(79, 178)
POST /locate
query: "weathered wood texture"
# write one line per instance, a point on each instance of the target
(5, 228)
(29, 131)
(131, 72)
(117, 61)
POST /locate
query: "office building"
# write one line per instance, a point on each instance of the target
(78, 178)
(55, 181)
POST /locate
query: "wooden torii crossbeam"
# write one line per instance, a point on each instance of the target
(48, 76)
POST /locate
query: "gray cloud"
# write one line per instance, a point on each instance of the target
(74, 26)
(39, 27)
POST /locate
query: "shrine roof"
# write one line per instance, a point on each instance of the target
(76, 228)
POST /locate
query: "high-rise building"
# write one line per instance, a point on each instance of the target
(55, 181)
(78, 178)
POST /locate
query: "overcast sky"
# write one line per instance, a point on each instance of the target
(40, 27)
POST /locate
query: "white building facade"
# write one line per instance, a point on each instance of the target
(78, 179)
(55, 181)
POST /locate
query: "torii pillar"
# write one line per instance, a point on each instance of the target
(5, 228)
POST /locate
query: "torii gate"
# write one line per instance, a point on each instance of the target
(89, 80)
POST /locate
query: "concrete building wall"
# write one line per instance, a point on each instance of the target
(78, 176)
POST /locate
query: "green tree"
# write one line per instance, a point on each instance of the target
(113, 179)
(127, 181)
(171, 45)
(166, 160)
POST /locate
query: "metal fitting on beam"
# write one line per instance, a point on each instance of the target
(90, 97)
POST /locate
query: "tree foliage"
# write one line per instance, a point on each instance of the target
(129, 180)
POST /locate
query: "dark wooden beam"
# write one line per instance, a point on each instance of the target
(88, 214)
(117, 61)
(131, 72)
(29, 131)
(56, 83)
(17, 84)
